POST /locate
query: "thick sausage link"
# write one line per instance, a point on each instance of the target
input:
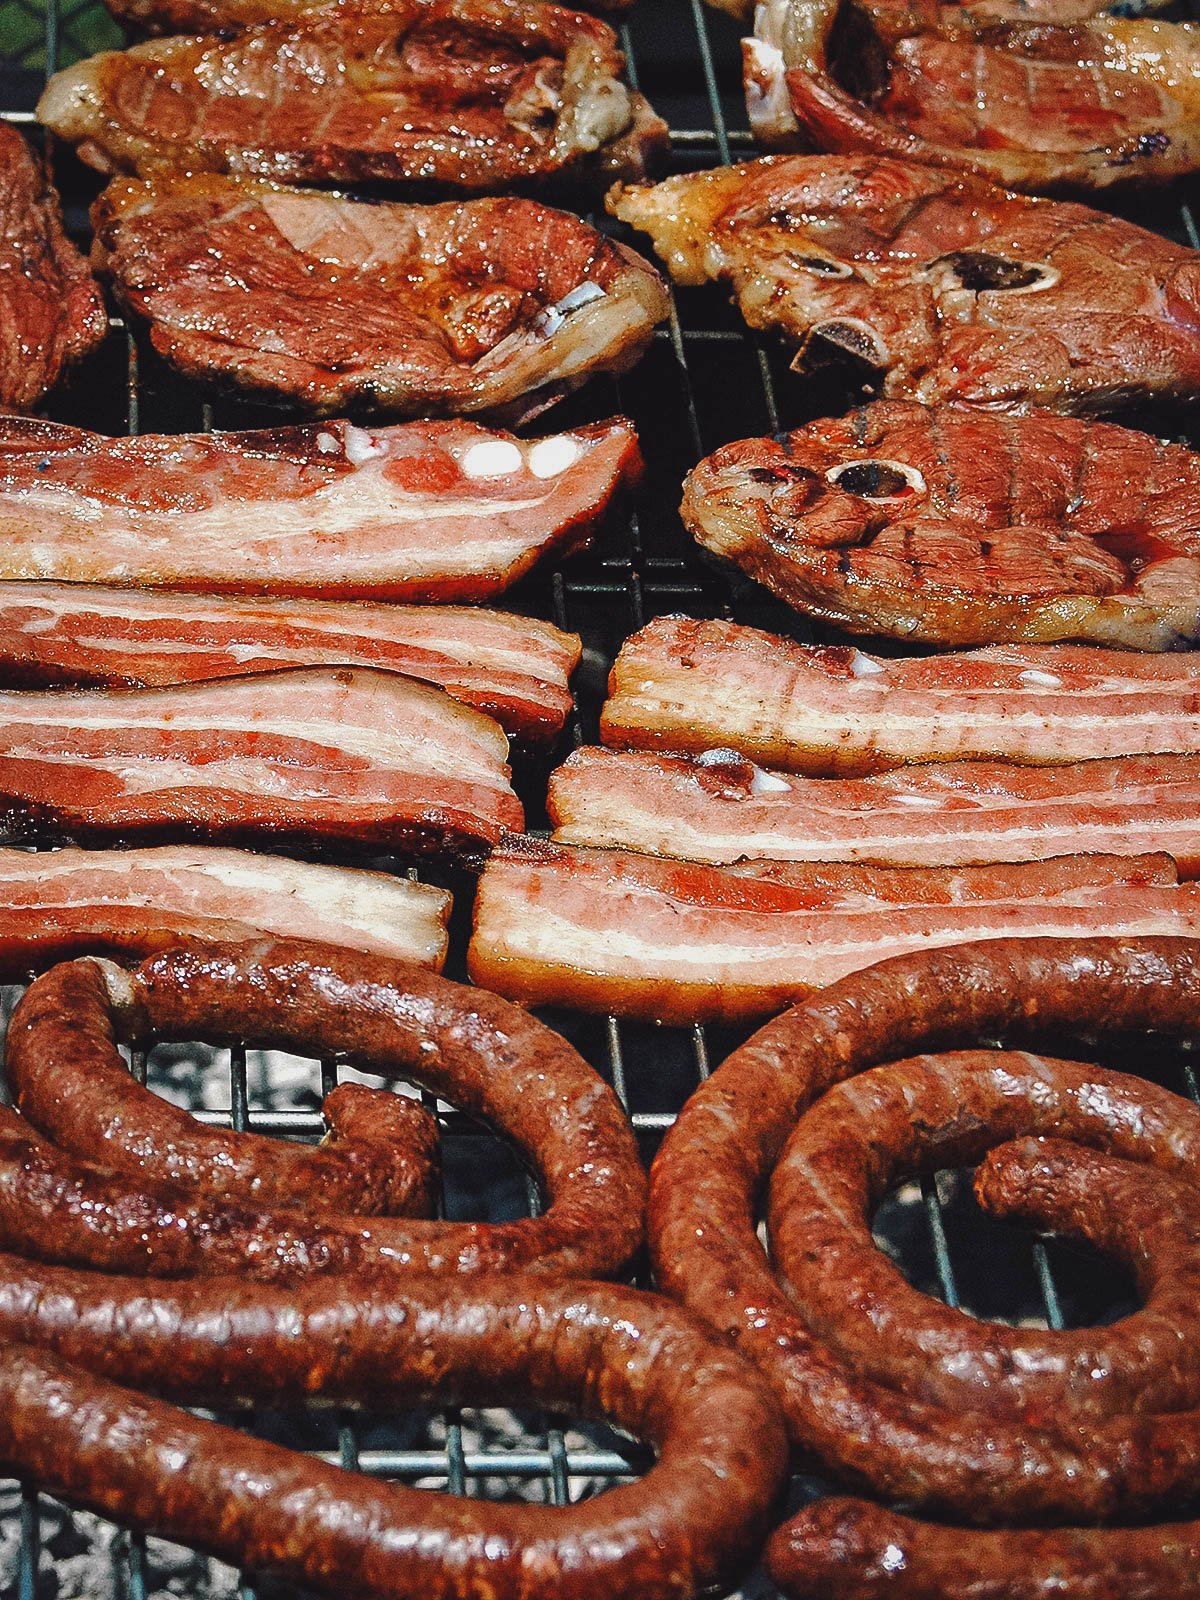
(483, 1054)
(715, 1161)
(68, 1079)
(605, 1352)
(916, 1116)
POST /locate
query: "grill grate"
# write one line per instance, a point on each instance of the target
(704, 381)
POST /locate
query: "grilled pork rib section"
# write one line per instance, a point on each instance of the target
(1086, 103)
(51, 313)
(59, 904)
(722, 807)
(498, 305)
(939, 287)
(634, 935)
(953, 526)
(481, 94)
(361, 757)
(425, 511)
(688, 686)
(513, 668)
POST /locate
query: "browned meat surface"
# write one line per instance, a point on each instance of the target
(954, 526)
(211, 16)
(1033, 102)
(477, 93)
(943, 287)
(51, 313)
(486, 305)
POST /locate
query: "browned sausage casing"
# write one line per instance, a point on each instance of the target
(715, 1161)
(481, 1053)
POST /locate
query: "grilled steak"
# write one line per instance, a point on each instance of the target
(224, 16)
(483, 305)
(478, 93)
(58, 904)
(953, 526)
(896, 18)
(1026, 103)
(684, 685)
(51, 313)
(676, 941)
(320, 509)
(721, 807)
(942, 287)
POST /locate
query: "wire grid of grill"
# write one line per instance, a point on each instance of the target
(704, 381)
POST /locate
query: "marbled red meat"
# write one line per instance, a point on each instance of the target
(639, 936)
(498, 305)
(721, 807)
(481, 94)
(1028, 102)
(952, 526)
(58, 904)
(346, 754)
(51, 313)
(688, 686)
(514, 668)
(941, 287)
(329, 511)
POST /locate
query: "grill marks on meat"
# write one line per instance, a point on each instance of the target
(688, 686)
(497, 305)
(341, 754)
(721, 807)
(956, 527)
(633, 935)
(941, 286)
(481, 94)
(513, 668)
(1024, 102)
(62, 903)
(423, 511)
(51, 313)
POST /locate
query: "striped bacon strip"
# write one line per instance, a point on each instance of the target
(637, 936)
(687, 686)
(421, 511)
(58, 904)
(514, 668)
(721, 807)
(353, 755)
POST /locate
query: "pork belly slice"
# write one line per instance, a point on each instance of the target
(949, 526)
(422, 511)
(58, 904)
(636, 936)
(497, 305)
(687, 686)
(315, 754)
(722, 807)
(936, 286)
(51, 313)
(514, 668)
(1084, 104)
(481, 94)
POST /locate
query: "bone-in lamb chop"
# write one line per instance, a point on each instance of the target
(1028, 103)
(51, 313)
(955, 526)
(496, 305)
(944, 287)
(481, 94)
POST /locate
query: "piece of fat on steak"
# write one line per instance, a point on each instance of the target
(953, 526)
(940, 286)
(1035, 102)
(51, 313)
(478, 94)
(497, 305)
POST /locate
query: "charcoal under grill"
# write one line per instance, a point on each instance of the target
(705, 381)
